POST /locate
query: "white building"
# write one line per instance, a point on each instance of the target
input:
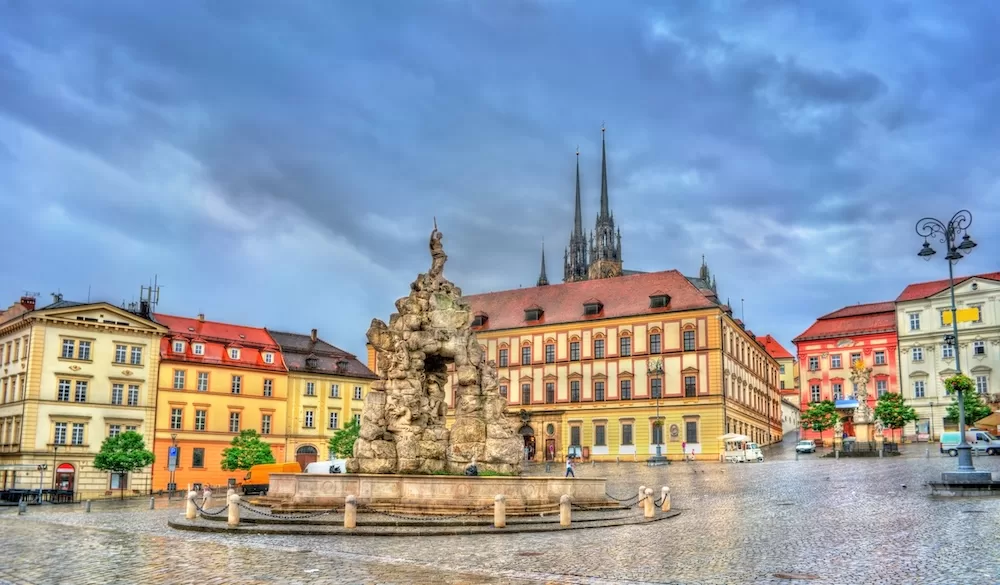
(790, 414)
(926, 360)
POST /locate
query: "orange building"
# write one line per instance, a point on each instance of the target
(215, 380)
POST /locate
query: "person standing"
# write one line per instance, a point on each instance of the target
(569, 467)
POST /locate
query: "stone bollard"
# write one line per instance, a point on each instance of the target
(229, 492)
(927, 453)
(880, 451)
(642, 492)
(665, 496)
(234, 510)
(191, 511)
(796, 455)
(22, 507)
(500, 511)
(350, 512)
(86, 506)
(152, 503)
(565, 510)
(836, 454)
(649, 510)
(206, 503)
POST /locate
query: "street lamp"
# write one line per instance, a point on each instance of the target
(655, 368)
(55, 449)
(930, 429)
(948, 234)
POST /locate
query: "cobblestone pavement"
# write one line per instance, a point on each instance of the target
(840, 521)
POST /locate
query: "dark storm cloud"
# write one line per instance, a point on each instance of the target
(281, 164)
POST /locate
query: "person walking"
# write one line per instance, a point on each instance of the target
(569, 467)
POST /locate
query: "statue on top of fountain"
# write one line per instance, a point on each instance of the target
(403, 422)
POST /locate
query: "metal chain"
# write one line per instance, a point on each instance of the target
(269, 514)
(207, 512)
(659, 502)
(425, 517)
(632, 497)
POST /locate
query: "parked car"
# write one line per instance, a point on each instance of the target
(258, 479)
(332, 466)
(805, 447)
(980, 441)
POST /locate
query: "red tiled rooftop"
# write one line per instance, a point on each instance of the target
(852, 320)
(865, 309)
(218, 338)
(922, 290)
(773, 348)
(623, 296)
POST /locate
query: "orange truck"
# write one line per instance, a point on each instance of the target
(258, 479)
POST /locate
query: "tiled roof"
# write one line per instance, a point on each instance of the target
(865, 309)
(852, 320)
(218, 338)
(298, 348)
(775, 349)
(922, 290)
(623, 296)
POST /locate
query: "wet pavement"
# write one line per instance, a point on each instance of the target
(835, 521)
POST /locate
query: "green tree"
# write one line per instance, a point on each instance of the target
(975, 408)
(342, 442)
(893, 411)
(820, 417)
(123, 453)
(246, 450)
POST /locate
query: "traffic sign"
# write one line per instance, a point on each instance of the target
(172, 459)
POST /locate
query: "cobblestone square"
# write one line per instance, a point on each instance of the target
(839, 521)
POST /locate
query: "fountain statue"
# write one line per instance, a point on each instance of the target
(860, 376)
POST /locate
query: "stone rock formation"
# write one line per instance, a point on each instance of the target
(403, 423)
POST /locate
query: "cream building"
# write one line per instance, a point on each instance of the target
(71, 375)
(926, 360)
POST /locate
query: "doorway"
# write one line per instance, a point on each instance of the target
(305, 455)
(550, 449)
(65, 474)
(528, 434)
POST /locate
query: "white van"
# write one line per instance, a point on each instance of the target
(980, 441)
(740, 449)
(332, 466)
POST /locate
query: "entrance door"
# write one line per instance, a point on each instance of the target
(65, 474)
(305, 455)
(550, 449)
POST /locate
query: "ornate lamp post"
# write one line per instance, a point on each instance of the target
(949, 234)
(655, 368)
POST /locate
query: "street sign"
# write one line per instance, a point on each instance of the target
(172, 459)
(967, 315)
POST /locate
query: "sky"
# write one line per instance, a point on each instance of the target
(280, 164)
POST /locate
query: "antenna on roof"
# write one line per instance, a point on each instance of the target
(149, 297)
(88, 293)
(743, 313)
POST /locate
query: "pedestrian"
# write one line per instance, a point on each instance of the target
(569, 467)
(684, 450)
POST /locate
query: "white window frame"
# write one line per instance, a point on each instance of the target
(234, 353)
(308, 419)
(919, 388)
(133, 390)
(880, 358)
(982, 384)
(334, 390)
(177, 347)
(234, 422)
(914, 321)
(198, 349)
(202, 384)
(118, 394)
(268, 357)
(358, 392)
(978, 347)
(265, 424)
(135, 356)
(917, 354)
(947, 352)
(121, 354)
(333, 420)
(815, 393)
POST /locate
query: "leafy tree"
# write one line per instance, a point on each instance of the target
(342, 442)
(893, 411)
(975, 408)
(123, 453)
(820, 416)
(246, 451)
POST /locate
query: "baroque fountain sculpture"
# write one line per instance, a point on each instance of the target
(403, 423)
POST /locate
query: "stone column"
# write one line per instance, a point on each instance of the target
(500, 511)
(191, 512)
(665, 496)
(565, 510)
(234, 510)
(642, 492)
(649, 510)
(350, 512)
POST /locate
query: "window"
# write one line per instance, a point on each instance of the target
(198, 349)
(268, 387)
(914, 321)
(199, 419)
(838, 391)
(690, 387)
(117, 393)
(600, 438)
(526, 355)
(834, 361)
(134, 429)
(782, 384)
(879, 358)
(333, 420)
(626, 390)
(598, 349)
(234, 422)
(268, 358)
(532, 314)
(782, 368)
(654, 343)
(656, 387)
(626, 433)
(68, 347)
(198, 457)
(77, 438)
(119, 481)
(599, 391)
(357, 392)
(60, 436)
(659, 301)
(625, 346)
(574, 391)
(334, 390)
(114, 430)
(881, 387)
(591, 309)
(550, 392)
(657, 433)
(64, 386)
(978, 348)
(308, 423)
(503, 390)
(917, 354)
(814, 363)
(855, 358)
(525, 393)
(178, 347)
(918, 388)
(234, 353)
(691, 431)
(81, 391)
(357, 419)
(574, 436)
(814, 393)
(136, 356)
(503, 358)
(947, 351)
(982, 384)
(17, 349)
(978, 308)
(310, 389)
(265, 423)
(689, 341)
(176, 418)
(179, 379)
(942, 313)
(121, 353)
(203, 381)
(550, 353)
(133, 395)
(237, 384)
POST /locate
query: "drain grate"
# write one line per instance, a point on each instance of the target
(529, 554)
(973, 511)
(796, 576)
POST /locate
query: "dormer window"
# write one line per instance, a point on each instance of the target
(312, 362)
(592, 307)
(178, 347)
(268, 357)
(234, 353)
(198, 348)
(658, 300)
(533, 313)
(480, 319)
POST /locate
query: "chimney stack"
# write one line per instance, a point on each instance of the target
(28, 303)
(201, 317)
(313, 336)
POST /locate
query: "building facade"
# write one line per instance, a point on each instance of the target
(786, 362)
(326, 389)
(923, 319)
(215, 380)
(73, 375)
(828, 348)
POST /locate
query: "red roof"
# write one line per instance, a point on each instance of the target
(772, 347)
(218, 338)
(622, 296)
(853, 320)
(922, 290)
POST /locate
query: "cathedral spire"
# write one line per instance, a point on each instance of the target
(578, 213)
(575, 262)
(543, 279)
(605, 206)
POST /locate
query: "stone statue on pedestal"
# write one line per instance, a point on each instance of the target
(860, 375)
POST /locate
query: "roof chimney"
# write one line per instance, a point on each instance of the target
(28, 303)
(312, 336)
(201, 317)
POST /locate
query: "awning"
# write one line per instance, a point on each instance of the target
(734, 437)
(990, 421)
(65, 468)
(846, 403)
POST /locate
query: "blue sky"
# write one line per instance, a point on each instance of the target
(279, 164)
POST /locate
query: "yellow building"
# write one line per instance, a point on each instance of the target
(215, 380)
(326, 389)
(72, 374)
(787, 372)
